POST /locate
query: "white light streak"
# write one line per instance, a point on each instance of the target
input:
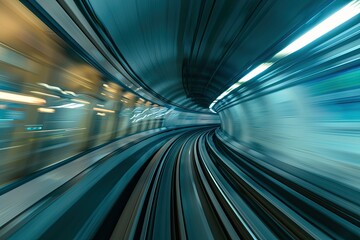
(344, 14)
(103, 110)
(57, 89)
(261, 68)
(21, 98)
(80, 101)
(45, 94)
(69, 105)
(46, 110)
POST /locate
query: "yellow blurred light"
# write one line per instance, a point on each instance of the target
(111, 90)
(103, 110)
(21, 98)
(80, 101)
(101, 114)
(46, 110)
(45, 94)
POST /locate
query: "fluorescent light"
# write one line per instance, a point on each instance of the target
(262, 67)
(111, 90)
(45, 94)
(101, 114)
(46, 110)
(212, 104)
(234, 86)
(69, 105)
(103, 110)
(80, 101)
(229, 90)
(222, 95)
(21, 98)
(57, 89)
(344, 14)
(69, 92)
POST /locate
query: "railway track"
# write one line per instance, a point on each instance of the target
(195, 184)
(198, 187)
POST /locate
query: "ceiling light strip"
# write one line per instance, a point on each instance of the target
(344, 14)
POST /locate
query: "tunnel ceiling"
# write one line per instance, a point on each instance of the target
(189, 52)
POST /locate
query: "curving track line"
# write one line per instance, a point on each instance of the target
(199, 187)
(194, 184)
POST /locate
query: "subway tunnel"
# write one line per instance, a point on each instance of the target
(184, 119)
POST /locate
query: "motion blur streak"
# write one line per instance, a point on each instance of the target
(106, 131)
(341, 16)
(34, 61)
(21, 98)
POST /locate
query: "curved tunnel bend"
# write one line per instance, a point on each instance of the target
(121, 120)
(191, 184)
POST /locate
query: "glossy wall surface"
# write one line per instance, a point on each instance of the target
(305, 110)
(54, 105)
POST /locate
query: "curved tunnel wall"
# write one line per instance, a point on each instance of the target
(306, 110)
(294, 173)
(55, 106)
